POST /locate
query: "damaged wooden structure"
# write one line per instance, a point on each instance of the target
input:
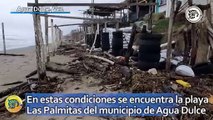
(104, 66)
(42, 50)
(196, 43)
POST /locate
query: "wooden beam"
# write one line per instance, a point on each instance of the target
(80, 24)
(47, 39)
(82, 18)
(122, 5)
(3, 38)
(39, 41)
(169, 46)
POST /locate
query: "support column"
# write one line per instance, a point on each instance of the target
(41, 69)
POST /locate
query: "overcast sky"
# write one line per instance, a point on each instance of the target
(20, 26)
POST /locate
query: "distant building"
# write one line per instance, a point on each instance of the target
(165, 5)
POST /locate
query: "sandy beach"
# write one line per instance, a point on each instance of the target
(15, 68)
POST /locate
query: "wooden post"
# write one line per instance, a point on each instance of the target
(60, 36)
(137, 9)
(47, 39)
(211, 4)
(56, 36)
(150, 19)
(128, 13)
(105, 27)
(93, 31)
(53, 37)
(187, 39)
(96, 34)
(114, 15)
(85, 34)
(169, 46)
(121, 16)
(117, 26)
(193, 40)
(203, 45)
(3, 37)
(39, 41)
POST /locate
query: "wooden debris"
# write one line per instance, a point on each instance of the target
(101, 58)
(31, 74)
(13, 83)
(10, 90)
(60, 69)
(11, 54)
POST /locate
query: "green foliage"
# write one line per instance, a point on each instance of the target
(162, 26)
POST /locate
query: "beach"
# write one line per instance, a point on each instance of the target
(15, 68)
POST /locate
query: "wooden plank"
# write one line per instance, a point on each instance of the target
(3, 38)
(47, 39)
(39, 41)
(66, 25)
(169, 46)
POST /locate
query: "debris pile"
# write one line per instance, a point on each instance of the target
(104, 67)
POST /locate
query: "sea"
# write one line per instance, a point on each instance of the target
(15, 43)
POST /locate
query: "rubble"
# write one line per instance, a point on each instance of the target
(104, 67)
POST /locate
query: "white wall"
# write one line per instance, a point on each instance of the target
(162, 8)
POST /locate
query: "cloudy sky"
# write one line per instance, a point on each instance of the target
(19, 27)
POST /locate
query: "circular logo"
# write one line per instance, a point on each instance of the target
(13, 103)
(193, 14)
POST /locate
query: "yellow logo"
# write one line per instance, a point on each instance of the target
(13, 103)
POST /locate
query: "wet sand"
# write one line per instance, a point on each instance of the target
(15, 68)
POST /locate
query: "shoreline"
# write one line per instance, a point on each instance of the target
(19, 49)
